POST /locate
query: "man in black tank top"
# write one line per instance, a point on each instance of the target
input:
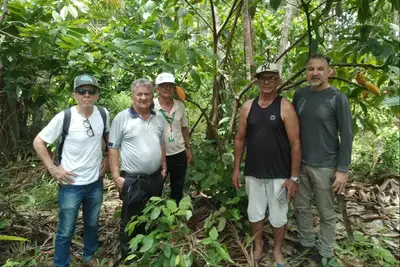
(269, 127)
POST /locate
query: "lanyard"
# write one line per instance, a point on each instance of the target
(167, 118)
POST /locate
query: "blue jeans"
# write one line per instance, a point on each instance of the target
(70, 198)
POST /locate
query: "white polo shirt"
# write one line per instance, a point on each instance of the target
(177, 145)
(81, 153)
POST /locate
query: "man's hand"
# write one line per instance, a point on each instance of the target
(164, 173)
(236, 179)
(104, 166)
(119, 183)
(339, 185)
(291, 187)
(61, 175)
(189, 155)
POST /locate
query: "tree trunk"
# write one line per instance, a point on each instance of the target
(283, 44)
(248, 41)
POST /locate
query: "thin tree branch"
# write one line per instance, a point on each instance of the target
(197, 122)
(246, 88)
(295, 84)
(288, 3)
(299, 40)
(288, 81)
(323, 3)
(228, 45)
(347, 81)
(370, 66)
(214, 22)
(309, 29)
(213, 127)
(195, 10)
(234, 7)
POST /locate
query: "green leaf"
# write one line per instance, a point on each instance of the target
(155, 213)
(155, 198)
(177, 259)
(130, 257)
(195, 76)
(166, 211)
(171, 205)
(167, 250)
(64, 12)
(82, 7)
(72, 10)
(189, 214)
(213, 234)
(198, 176)
(182, 12)
(89, 56)
(172, 260)
(221, 224)
(185, 203)
(12, 238)
(147, 244)
(149, 6)
(206, 241)
(133, 244)
(224, 255)
(56, 16)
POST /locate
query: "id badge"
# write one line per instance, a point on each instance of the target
(171, 138)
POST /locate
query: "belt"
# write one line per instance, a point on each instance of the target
(140, 175)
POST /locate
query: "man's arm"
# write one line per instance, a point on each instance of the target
(114, 144)
(185, 134)
(345, 125)
(163, 161)
(291, 123)
(344, 121)
(57, 172)
(113, 157)
(240, 141)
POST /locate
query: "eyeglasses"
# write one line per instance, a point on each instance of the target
(269, 79)
(166, 85)
(81, 91)
(89, 128)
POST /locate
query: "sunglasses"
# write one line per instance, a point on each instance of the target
(81, 91)
(89, 128)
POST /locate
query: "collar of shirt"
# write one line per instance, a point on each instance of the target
(175, 107)
(136, 115)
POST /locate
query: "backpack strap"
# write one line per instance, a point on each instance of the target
(104, 118)
(65, 128)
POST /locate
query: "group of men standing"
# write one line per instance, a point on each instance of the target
(149, 140)
(295, 147)
(303, 149)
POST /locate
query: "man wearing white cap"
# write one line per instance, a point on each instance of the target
(176, 133)
(269, 127)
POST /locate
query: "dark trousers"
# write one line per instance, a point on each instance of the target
(137, 190)
(176, 167)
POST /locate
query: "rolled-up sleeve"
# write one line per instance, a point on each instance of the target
(184, 120)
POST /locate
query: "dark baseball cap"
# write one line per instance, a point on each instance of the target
(85, 80)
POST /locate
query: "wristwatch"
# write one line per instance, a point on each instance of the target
(294, 178)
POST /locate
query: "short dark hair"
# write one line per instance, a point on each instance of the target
(319, 56)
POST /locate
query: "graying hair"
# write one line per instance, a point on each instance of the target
(141, 82)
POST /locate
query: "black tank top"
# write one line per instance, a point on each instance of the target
(268, 149)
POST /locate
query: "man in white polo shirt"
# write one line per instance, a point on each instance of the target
(137, 133)
(80, 169)
(176, 133)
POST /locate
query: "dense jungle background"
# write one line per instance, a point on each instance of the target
(213, 48)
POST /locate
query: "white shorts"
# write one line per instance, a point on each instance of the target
(262, 193)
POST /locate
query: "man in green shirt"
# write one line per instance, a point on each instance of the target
(326, 142)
